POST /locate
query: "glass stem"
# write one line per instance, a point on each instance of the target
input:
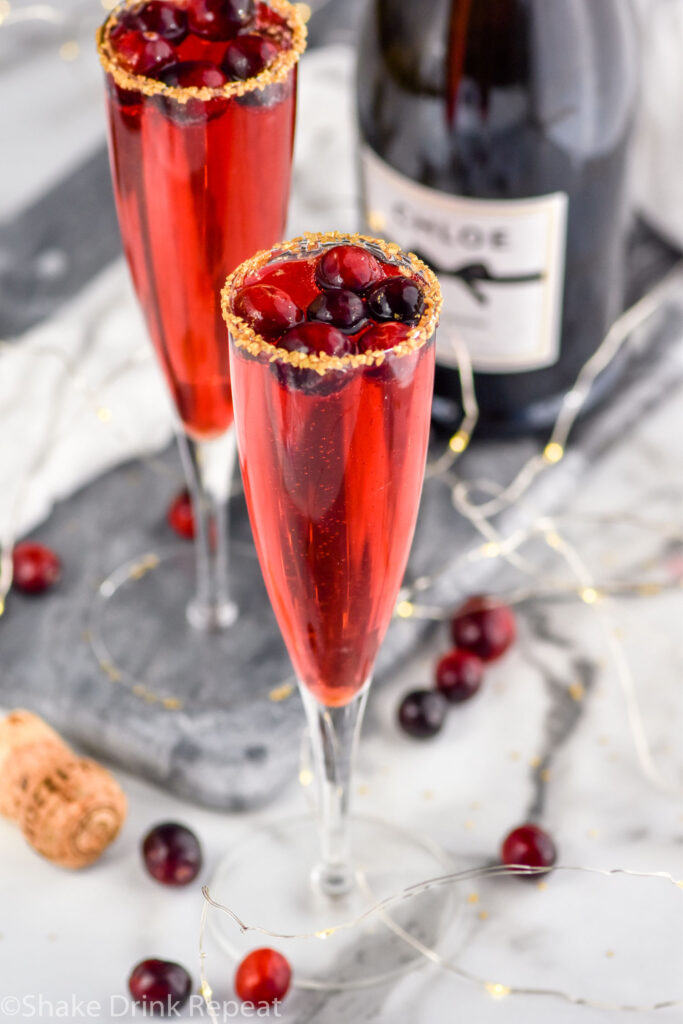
(334, 736)
(209, 467)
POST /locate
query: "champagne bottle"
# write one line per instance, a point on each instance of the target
(494, 143)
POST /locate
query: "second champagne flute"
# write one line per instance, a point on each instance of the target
(201, 99)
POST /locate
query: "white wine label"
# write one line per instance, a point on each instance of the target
(500, 264)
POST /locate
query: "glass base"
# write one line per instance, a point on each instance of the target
(267, 881)
(144, 635)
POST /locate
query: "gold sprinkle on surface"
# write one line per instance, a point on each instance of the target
(305, 246)
(482, 915)
(577, 691)
(275, 74)
(473, 897)
(283, 692)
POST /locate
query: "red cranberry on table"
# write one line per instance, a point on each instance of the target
(348, 266)
(219, 19)
(172, 854)
(529, 846)
(263, 976)
(269, 310)
(340, 308)
(247, 55)
(180, 515)
(459, 675)
(318, 339)
(143, 53)
(35, 568)
(484, 626)
(422, 713)
(160, 985)
(397, 298)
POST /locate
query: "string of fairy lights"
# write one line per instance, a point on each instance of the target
(584, 587)
(380, 911)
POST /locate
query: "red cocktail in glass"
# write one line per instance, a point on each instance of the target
(201, 98)
(332, 363)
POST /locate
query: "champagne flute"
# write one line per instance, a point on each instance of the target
(201, 103)
(332, 417)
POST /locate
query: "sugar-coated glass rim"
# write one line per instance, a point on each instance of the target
(245, 337)
(275, 74)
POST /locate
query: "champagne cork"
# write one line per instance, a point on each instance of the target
(69, 808)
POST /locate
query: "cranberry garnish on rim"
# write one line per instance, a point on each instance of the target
(269, 310)
(219, 19)
(312, 339)
(382, 337)
(247, 55)
(160, 986)
(422, 713)
(143, 53)
(180, 515)
(199, 74)
(397, 298)
(264, 976)
(172, 854)
(340, 308)
(35, 568)
(484, 626)
(348, 266)
(459, 675)
(530, 846)
(168, 19)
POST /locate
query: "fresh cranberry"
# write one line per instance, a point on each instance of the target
(247, 55)
(199, 74)
(180, 515)
(530, 846)
(143, 53)
(35, 568)
(484, 626)
(315, 339)
(459, 675)
(167, 19)
(382, 337)
(348, 266)
(397, 298)
(263, 976)
(219, 19)
(160, 986)
(172, 854)
(269, 310)
(422, 713)
(340, 308)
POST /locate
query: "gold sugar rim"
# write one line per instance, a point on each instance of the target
(274, 74)
(245, 337)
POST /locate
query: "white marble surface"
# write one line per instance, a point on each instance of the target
(77, 936)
